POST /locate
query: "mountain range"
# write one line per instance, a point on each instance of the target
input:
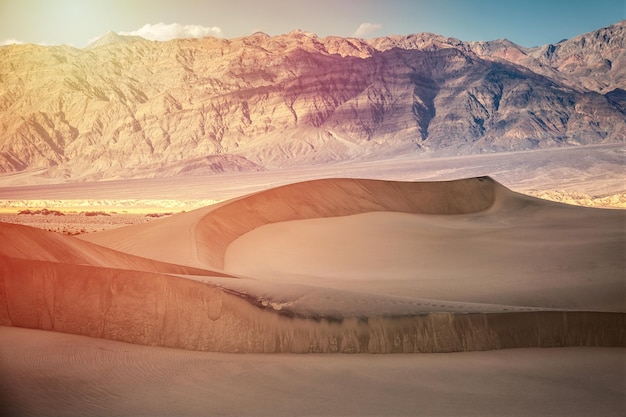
(126, 107)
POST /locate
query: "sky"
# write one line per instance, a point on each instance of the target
(525, 22)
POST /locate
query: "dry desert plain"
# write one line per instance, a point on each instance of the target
(492, 302)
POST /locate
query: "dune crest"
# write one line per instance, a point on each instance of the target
(213, 228)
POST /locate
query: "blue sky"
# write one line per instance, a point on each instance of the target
(528, 23)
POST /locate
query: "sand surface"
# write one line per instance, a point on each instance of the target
(539, 257)
(48, 373)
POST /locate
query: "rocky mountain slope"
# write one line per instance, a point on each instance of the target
(128, 107)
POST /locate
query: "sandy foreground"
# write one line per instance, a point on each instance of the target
(49, 373)
(329, 265)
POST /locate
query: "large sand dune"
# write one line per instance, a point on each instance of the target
(337, 265)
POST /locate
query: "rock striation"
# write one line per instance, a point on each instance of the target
(127, 107)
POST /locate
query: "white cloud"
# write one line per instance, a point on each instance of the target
(366, 28)
(163, 32)
(11, 42)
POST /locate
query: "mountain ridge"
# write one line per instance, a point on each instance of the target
(128, 107)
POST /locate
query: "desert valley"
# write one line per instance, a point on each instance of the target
(295, 225)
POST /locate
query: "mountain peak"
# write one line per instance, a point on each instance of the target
(300, 32)
(112, 38)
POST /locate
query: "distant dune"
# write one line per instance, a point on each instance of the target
(335, 265)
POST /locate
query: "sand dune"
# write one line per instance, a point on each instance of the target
(24, 242)
(468, 240)
(214, 228)
(339, 265)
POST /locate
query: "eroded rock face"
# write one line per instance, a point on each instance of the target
(129, 107)
(591, 61)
